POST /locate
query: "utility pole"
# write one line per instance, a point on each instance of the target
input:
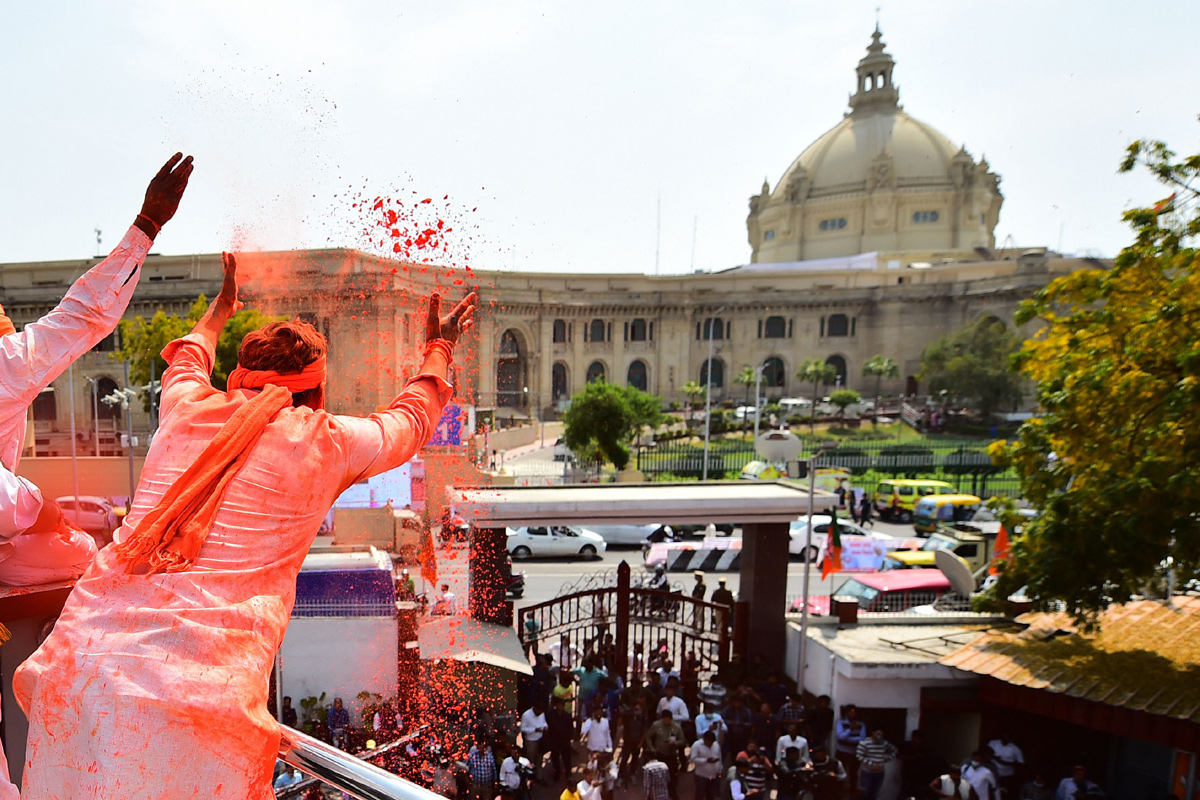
(758, 373)
(708, 368)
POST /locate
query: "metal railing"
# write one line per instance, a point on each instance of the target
(346, 772)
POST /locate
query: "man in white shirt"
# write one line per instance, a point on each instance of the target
(982, 780)
(512, 782)
(792, 739)
(673, 703)
(706, 765)
(1008, 755)
(596, 733)
(533, 728)
(565, 655)
(710, 720)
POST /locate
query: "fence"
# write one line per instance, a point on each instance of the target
(965, 464)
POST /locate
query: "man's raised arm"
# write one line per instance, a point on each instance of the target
(31, 359)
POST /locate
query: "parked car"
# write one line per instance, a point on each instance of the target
(633, 535)
(821, 523)
(554, 540)
(96, 515)
(893, 590)
(561, 452)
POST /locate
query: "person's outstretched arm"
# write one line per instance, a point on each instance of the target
(389, 438)
(31, 359)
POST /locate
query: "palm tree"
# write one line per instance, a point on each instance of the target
(747, 377)
(694, 392)
(816, 372)
(880, 367)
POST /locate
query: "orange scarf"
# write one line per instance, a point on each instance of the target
(6, 324)
(310, 377)
(169, 537)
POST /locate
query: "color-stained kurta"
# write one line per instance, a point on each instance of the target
(155, 686)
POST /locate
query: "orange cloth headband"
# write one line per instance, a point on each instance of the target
(310, 377)
(6, 324)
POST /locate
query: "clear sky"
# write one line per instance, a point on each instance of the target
(564, 125)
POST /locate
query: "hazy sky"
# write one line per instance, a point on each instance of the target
(563, 124)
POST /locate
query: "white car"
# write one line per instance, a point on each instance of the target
(625, 534)
(821, 533)
(96, 515)
(553, 540)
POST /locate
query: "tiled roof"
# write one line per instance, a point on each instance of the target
(1146, 657)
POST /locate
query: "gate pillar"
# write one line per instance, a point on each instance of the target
(489, 576)
(763, 588)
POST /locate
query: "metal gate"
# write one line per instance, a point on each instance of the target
(637, 618)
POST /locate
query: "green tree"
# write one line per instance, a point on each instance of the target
(1113, 461)
(604, 418)
(974, 365)
(816, 372)
(844, 398)
(694, 392)
(747, 377)
(880, 367)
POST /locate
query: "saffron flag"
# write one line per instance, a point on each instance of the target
(428, 558)
(1001, 552)
(833, 552)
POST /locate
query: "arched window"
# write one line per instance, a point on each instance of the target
(636, 376)
(559, 335)
(104, 388)
(776, 328)
(839, 364)
(718, 373)
(713, 327)
(596, 331)
(509, 348)
(595, 372)
(637, 330)
(45, 406)
(774, 373)
(838, 325)
(510, 372)
(558, 381)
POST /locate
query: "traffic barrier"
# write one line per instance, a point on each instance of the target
(708, 560)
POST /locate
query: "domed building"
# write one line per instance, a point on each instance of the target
(878, 181)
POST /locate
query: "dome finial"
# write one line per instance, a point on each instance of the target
(874, 73)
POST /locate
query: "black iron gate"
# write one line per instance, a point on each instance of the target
(694, 633)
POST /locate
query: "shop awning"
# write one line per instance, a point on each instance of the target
(460, 638)
(1145, 657)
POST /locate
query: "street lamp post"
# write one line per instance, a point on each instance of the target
(74, 458)
(758, 374)
(708, 370)
(812, 490)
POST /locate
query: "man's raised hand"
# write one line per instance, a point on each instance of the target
(451, 326)
(163, 194)
(228, 297)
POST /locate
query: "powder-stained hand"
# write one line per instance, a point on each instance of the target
(451, 326)
(166, 189)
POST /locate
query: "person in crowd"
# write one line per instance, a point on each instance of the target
(596, 734)
(766, 728)
(564, 690)
(515, 773)
(288, 779)
(656, 780)
(722, 595)
(775, 693)
(605, 769)
(588, 787)
(337, 719)
(711, 720)
(533, 730)
(481, 767)
(850, 732)
(865, 512)
(689, 678)
(829, 777)
(820, 722)
(588, 678)
(1009, 760)
(792, 739)
(1077, 786)
(659, 581)
(841, 493)
(791, 774)
(735, 781)
(705, 756)
(637, 660)
(667, 671)
(634, 701)
(873, 753)
(446, 603)
(670, 701)
(564, 655)
(981, 777)
(699, 588)
(758, 771)
(918, 765)
(560, 732)
(1036, 788)
(407, 587)
(664, 741)
(543, 680)
(288, 713)
(739, 722)
(607, 652)
(952, 786)
(792, 711)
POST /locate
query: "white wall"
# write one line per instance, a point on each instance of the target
(340, 656)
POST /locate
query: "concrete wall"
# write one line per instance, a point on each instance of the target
(519, 437)
(340, 656)
(103, 477)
